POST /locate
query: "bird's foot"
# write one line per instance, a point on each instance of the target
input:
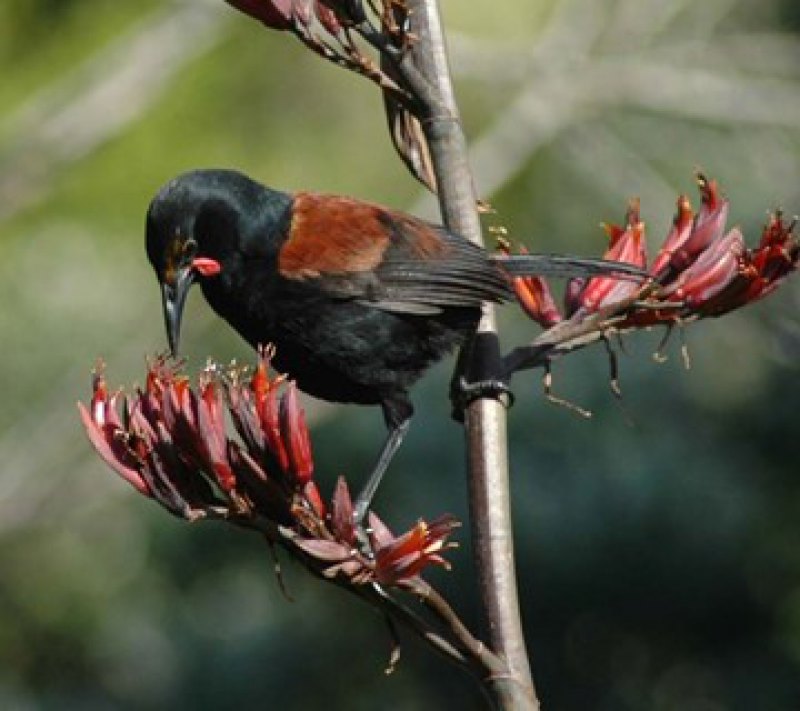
(465, 393)
(481, 372)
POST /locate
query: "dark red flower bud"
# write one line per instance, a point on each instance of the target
(302, 11)
(266, 403)
(99, 404)
(533, 294)
(778, 251)
(572, 294)
(707, 227)
(536, 299)
(295, 437)
(314, 498)
(106, 435)
(276, 14)
(348, 12)
(327, 18)
(711, 273)
(342, 522)
(624, 246)
(172, 445)
(678, 235)
(211, 437)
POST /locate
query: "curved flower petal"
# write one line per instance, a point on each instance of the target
(104, 440)
(405, 556)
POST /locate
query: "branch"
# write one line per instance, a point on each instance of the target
(485, 419)
(171, 442)
(374, 595)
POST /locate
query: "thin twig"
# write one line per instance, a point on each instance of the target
(470, 644)
(372, 594)
(381, 598)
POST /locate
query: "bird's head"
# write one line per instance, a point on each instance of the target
(196, 226)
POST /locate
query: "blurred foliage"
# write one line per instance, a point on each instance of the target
(657, 543)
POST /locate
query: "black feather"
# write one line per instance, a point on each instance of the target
(562, 266)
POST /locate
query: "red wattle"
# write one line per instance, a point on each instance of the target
(206, 266)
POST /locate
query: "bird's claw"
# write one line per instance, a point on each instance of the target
(466, 392)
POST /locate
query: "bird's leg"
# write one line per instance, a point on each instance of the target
(458, 379)
(480, 372)
(398, 426)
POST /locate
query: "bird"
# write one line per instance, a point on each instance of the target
(357, 299)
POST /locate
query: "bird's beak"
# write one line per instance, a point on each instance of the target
(174, 297)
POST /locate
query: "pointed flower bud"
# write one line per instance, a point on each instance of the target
(275, 14)
(683, 246)
(342, 522)
(266, 404)
(172, 445)
(536, 299)
(107, 435)
(710, 274)
(533, 293)
(681, 229)
(625, 245)
(348, 12)
(700, 270)
(327, 18)
(212, 438)
(294, 435)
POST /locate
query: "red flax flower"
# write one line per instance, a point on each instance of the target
(276, 14)
(291, 14)
(403, 557)
(704, 271)
(625, 245)
(171, 442)
(298, 15)
(394, 559)
(533, 294)
(700, 271)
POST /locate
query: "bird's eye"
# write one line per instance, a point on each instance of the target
(189, 248)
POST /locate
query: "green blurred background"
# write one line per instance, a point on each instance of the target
(659, 546)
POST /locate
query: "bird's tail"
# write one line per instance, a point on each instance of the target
(518, 265)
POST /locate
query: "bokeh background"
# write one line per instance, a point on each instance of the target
(658, 545)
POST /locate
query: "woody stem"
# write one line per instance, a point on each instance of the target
(485, 419)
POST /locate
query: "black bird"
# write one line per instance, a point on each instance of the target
(359, 300)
